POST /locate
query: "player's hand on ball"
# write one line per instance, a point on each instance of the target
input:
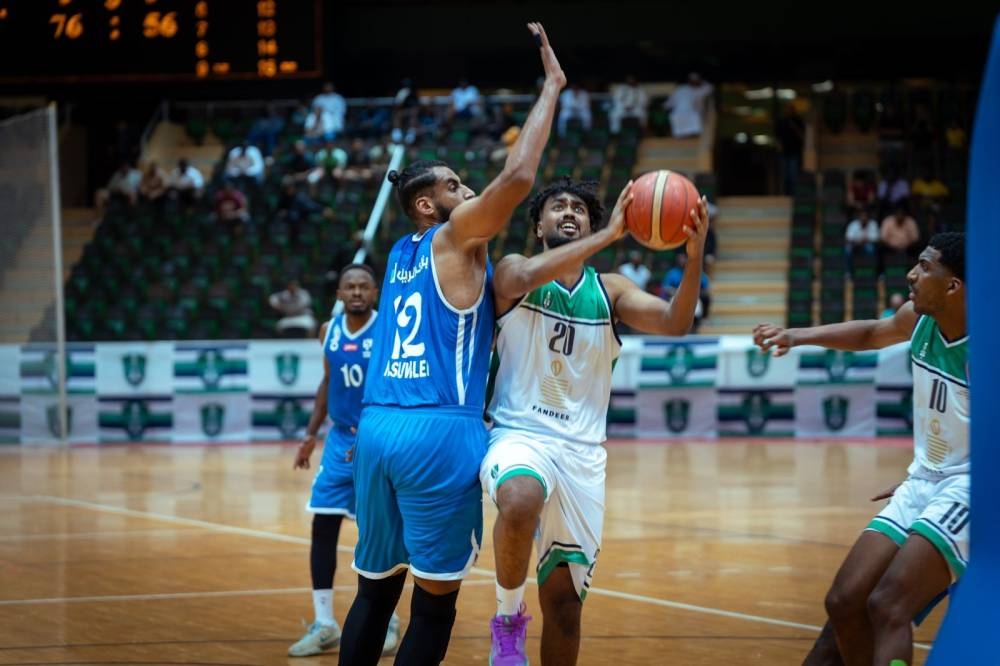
(553, 71)
(304, 452)
(616, 223)
(769, 336)
(697, 231)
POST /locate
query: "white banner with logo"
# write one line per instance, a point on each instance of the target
(669, 412)
(294, 367)
(135, 419)
(40, 418)
(676, 387)
(40, 374)
(761, 412)
(211, 417)
(743, 365)
(210, 366)
(280, 418)
(10, 394)
(894, 391)
(835, 410)
(135, 368)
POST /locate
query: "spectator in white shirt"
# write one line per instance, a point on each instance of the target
(687, 106)
(861, 236)
(635, 270)
(295, 306)
(245, 161)
(123, 184)
(574, 103)
(333, 103)
(466, 102)
(320, 126)
(186, 182)
(627, 101)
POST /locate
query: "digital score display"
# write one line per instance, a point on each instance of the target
(133, 40)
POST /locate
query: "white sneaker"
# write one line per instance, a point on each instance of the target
(391, 637)
(318, 638)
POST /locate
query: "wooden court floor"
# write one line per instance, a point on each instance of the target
(714, 553)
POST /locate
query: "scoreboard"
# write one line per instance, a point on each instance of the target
(175, 40)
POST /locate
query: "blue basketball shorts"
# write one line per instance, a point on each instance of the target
(416, 471)
(333, 487)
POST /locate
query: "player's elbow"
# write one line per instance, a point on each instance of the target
(517, 176)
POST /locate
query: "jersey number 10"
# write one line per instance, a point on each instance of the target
(939, 396)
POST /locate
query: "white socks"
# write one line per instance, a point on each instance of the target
(323, 607)
(509, 601)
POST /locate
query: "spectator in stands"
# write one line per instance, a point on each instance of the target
(503, 146)
(320, 125)
(687, 105)
(154, 183)
(373, 122)
(791, 134)
(359, 164)
(927, 189)
(896, 301)
(245, 162)
(406, 108)
(327, 160)
(860, 237)
(503, 119)
(123, 185)
(333, 103)
(295, 306)
(627, 101)
(892, 190)
(186, 182)
(301, 165)
(466, 102)
(862, 191)
(954, 135)
(294, 205)
(672, 280)
(574, 104)
(231, 207)
(899, 232)
(635, 270)
(264, 131)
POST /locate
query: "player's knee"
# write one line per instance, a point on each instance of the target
(562, 610)
(843, 603)
(886, 605)
(381, 589)
(520, 500)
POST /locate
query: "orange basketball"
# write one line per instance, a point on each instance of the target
(661, 208)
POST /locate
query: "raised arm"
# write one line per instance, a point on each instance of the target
(516, 275)
(647, 313)
(858, 335)
(480, 219)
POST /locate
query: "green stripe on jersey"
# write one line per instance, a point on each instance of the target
(928, 347)
(586, 302)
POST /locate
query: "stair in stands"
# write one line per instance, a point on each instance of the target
(750, 277)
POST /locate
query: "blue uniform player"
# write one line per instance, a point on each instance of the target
(347, 348)
(421, 437)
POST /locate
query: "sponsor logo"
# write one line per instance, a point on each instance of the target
(286, 365)
(756, 411)
(135, 415)
(757, 362)
(210, 367)
(404, 275)
(835, 409)
(213, 416)
(677, 413)
(134, 368)
(680, 360)
(837, 362)
(289, 416)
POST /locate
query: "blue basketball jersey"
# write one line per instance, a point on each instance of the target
(428, 352)
(348, 355)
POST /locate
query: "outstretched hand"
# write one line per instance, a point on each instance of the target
(616, 223)
(769, 336)
(553, 71)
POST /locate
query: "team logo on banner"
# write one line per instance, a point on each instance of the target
(52, 419)
(289, 414)
(756, 410)
(213, 416)
(676, 413)
(134, 368)
(136, 417)
(835, 410)
(837, 363)
(757, 362)
(680, 360)
(210, 367)
(286, 365)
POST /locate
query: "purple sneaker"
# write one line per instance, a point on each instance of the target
(509, 633)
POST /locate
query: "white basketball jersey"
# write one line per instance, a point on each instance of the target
(940, 400)
(557, 348)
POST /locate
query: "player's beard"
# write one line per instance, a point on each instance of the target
(554, 239)
(443, 212)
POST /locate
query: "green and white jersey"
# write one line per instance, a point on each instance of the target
(557, 348)
(940, 401)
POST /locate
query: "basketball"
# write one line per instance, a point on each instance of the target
(661, 205)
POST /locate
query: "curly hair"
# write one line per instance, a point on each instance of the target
(585, 190)
(951, 245)
(413, 181)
